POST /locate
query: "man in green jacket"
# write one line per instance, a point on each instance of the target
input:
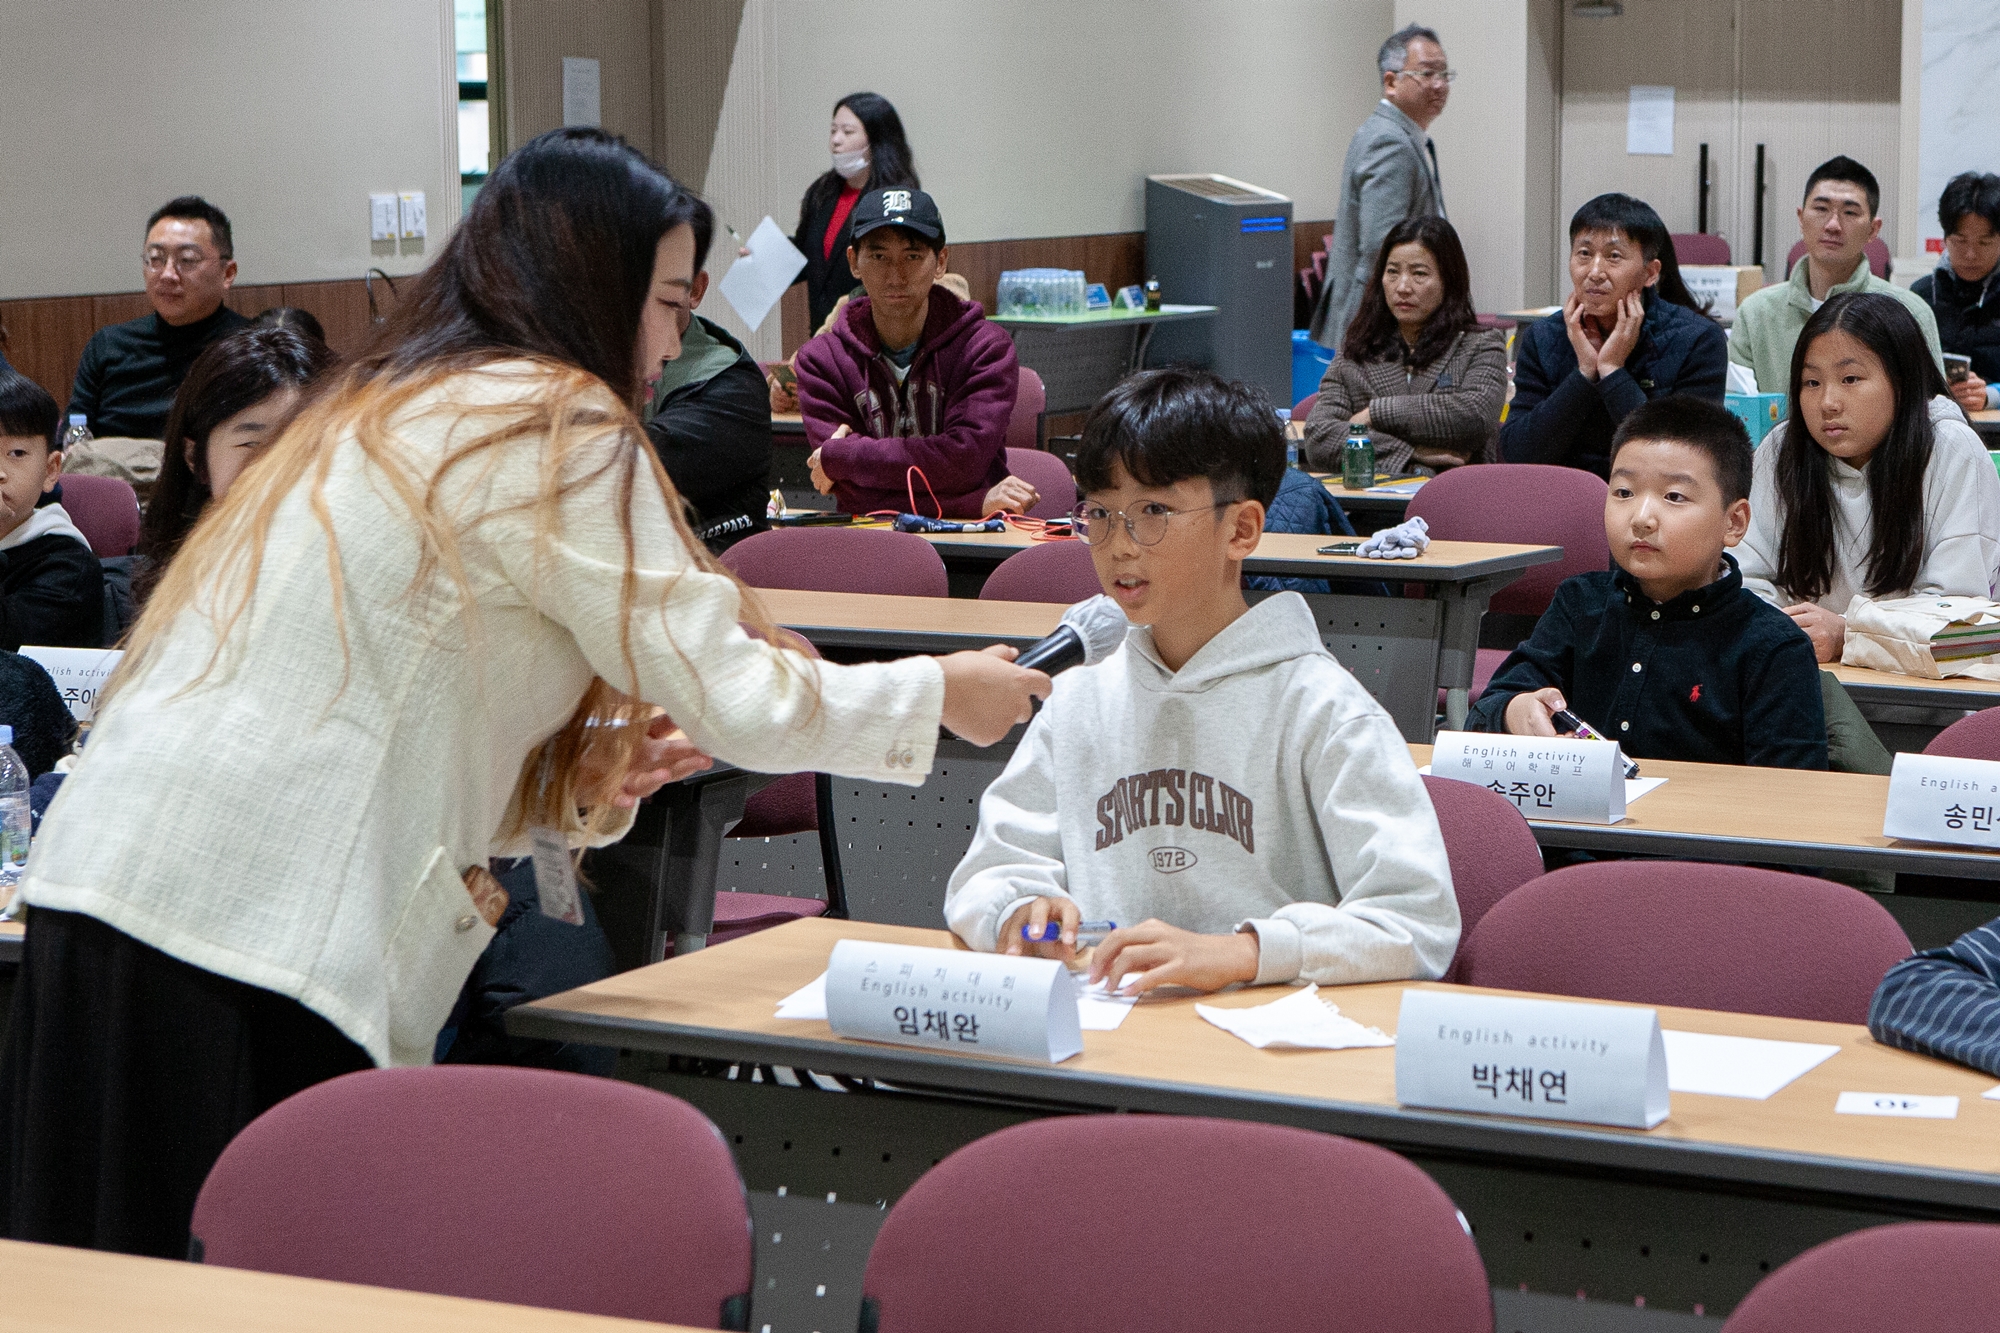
(1837, 220)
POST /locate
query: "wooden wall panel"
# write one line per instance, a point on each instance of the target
(46, 335)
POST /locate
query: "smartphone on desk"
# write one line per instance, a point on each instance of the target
(812, 519)
(1341, 548)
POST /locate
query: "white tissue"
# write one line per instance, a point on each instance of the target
(1301, 1020)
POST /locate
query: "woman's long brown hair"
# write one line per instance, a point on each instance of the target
(549, 271)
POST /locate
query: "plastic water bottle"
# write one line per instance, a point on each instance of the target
(15, 823)
(1357, 460)
(78, 431)
(1291, 445)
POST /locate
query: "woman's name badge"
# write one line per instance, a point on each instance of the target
(555, 876)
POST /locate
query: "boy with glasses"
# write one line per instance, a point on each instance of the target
(1219, 786)
(129, 373)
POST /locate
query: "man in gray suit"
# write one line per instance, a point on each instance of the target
(1390, 173)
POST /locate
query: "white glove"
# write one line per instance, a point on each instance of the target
(1405, 541)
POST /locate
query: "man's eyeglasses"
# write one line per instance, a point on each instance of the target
(1147, 527)
(185, 260)
(1437, 78)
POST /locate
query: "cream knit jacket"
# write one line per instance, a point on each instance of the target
(270, 824)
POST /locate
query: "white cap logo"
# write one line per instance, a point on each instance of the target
(895, 201)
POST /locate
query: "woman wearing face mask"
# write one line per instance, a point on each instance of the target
(1415, 368)
(1629, 331)
(236, 395)
(869, 153)
(1885, 492)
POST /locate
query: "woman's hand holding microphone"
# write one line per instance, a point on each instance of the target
(985, 694)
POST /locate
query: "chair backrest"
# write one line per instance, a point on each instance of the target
(1024, 424)
(502, 1184)
(839, 560)
(1057, 571)
(1694, 247)
(1914, 1277)
(105, 510)
(1194, 1245)
(1304, 407)
(1695, 936)
(1877, 251)
(1974, 737)
(1491, 849)
(1533, 503)
(788, 804)
(1048, 474)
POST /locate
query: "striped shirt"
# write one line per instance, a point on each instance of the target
(1945, 1001)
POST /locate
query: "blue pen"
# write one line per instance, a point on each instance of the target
(1087, 932)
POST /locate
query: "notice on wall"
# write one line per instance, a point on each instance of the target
(1649, 120)
(583, 102)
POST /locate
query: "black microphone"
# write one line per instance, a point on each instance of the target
(1090, 632)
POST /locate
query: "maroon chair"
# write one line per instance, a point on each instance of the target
(1024, 424)
(1695, 936)
(839, 560)
(1491, 849)
(1056, 571)
(500, 1184)
(1193, 1241)
(1695, 247)
(1877, 251)
(1049, 475)
(780, 808)
(1974, 737)
(105, 510)
(1304, 407)
(1528, 503)
(1913, 1277)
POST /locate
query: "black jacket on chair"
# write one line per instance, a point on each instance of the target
(714, 438)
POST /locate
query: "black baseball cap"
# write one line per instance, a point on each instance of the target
(912, 210)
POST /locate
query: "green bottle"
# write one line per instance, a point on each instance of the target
(1357, 460)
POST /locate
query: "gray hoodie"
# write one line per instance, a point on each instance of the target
(1258, 787)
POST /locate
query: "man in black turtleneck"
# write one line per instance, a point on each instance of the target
(130, 372)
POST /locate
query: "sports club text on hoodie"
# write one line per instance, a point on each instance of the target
(1259, 785)
(946, 415)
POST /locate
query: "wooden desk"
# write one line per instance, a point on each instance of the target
(1402, 650)
(788, 423)
(54, 1289)
(1364, 502)
(1779, 816)
(1882, 687)
(719, 1003)
(908, 624)
(1987, 423)
(1081, 356)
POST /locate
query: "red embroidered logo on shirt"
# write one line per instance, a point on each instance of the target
(1694, 695)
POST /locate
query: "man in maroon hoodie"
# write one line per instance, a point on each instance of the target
(909, 377)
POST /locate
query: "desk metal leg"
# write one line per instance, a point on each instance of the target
(1456, 701)
(1464, 605)
(697, 817)
(1142, 336)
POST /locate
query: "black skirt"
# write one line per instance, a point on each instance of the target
(126, 1072)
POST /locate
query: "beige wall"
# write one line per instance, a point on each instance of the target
(1036, 118)
(1497, 149)
(285, 113)
(618, 34)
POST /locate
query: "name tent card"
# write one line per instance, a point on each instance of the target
(1598, 1064)
(949, 999)
(1936, 799)
(79, 674)
(1582, 782)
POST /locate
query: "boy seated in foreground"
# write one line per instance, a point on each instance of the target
(1668, 655)
(1219, 786)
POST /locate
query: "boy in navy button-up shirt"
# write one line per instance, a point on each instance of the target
(1667, 654)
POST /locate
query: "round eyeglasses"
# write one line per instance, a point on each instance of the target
(1146, 527)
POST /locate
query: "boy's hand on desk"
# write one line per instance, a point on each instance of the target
(1153, 953)
(1035, 915)
(1528, 714)
(1827, 631)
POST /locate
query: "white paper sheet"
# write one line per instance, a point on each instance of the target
(1649, 120)
(1896, 1104)
(1991, 1095)
(1737, 1066)
(756, 281)
(1096, 1009)
(583, 103)
(1300, 1020)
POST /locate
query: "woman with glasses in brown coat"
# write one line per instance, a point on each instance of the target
(1415, 368)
